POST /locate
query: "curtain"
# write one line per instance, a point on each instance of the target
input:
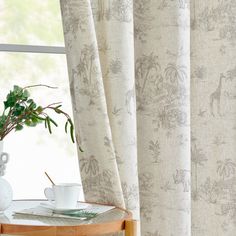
(153, 87)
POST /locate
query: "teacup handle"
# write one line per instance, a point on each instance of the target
(49, 194)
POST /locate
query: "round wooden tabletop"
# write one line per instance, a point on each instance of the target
(18, 224)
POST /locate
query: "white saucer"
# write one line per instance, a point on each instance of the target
(52, 207)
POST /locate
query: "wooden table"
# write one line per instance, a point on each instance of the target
(112, 221)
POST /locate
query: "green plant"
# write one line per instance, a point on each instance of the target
(21, 110)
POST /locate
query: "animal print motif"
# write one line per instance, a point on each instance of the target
(215, 97)
(182, 177)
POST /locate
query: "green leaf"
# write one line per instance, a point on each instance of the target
(10, 102)
(81, 150)
(48, 124)
(34, 119)
(70, 121)
(19, 127)
(58, 106)
(17, 113)
(66, 126)
(71, 130)
(20, 108)
(39, 109)
(16, 88)
(39, 117)
(32, 105)
(26, 93)
(53, 122)
(58, 110)
(27, 122)
(6, 104)
(30, 101)
(18, 92)
(72, 133)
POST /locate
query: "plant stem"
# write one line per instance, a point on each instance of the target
(40, 85)
(53, 108)
(8, 118)
(52, 104)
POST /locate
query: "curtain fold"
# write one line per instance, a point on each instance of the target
(101, 181)
(153, 90)
(213, 81)
(162, 71)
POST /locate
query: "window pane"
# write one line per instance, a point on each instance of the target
(33, 150)
(32, 22)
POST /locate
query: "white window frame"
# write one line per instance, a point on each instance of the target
(32, 48)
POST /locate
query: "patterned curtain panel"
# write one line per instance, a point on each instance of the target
(153, 85)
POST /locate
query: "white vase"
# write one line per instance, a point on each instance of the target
(6, 193)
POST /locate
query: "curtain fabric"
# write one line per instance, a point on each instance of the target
(153, 86)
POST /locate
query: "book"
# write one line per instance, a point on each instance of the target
(85, 211)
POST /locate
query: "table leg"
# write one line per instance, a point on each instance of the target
(130, 228)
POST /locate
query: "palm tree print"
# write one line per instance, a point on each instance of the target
(146, 68)
(86, 70)
(175, 74)
(89, 165)
(175, 78)
(226, 168)
(154, 148)
(198, 158)
(168, 91)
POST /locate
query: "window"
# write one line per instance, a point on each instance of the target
(32, 52)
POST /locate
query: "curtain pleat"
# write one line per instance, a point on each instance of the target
(101, 181)
(162, 70)
(213, 112)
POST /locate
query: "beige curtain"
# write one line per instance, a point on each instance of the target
(153, 85)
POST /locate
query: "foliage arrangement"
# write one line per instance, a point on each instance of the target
(21, 110)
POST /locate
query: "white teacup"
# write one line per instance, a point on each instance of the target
(63, 195)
